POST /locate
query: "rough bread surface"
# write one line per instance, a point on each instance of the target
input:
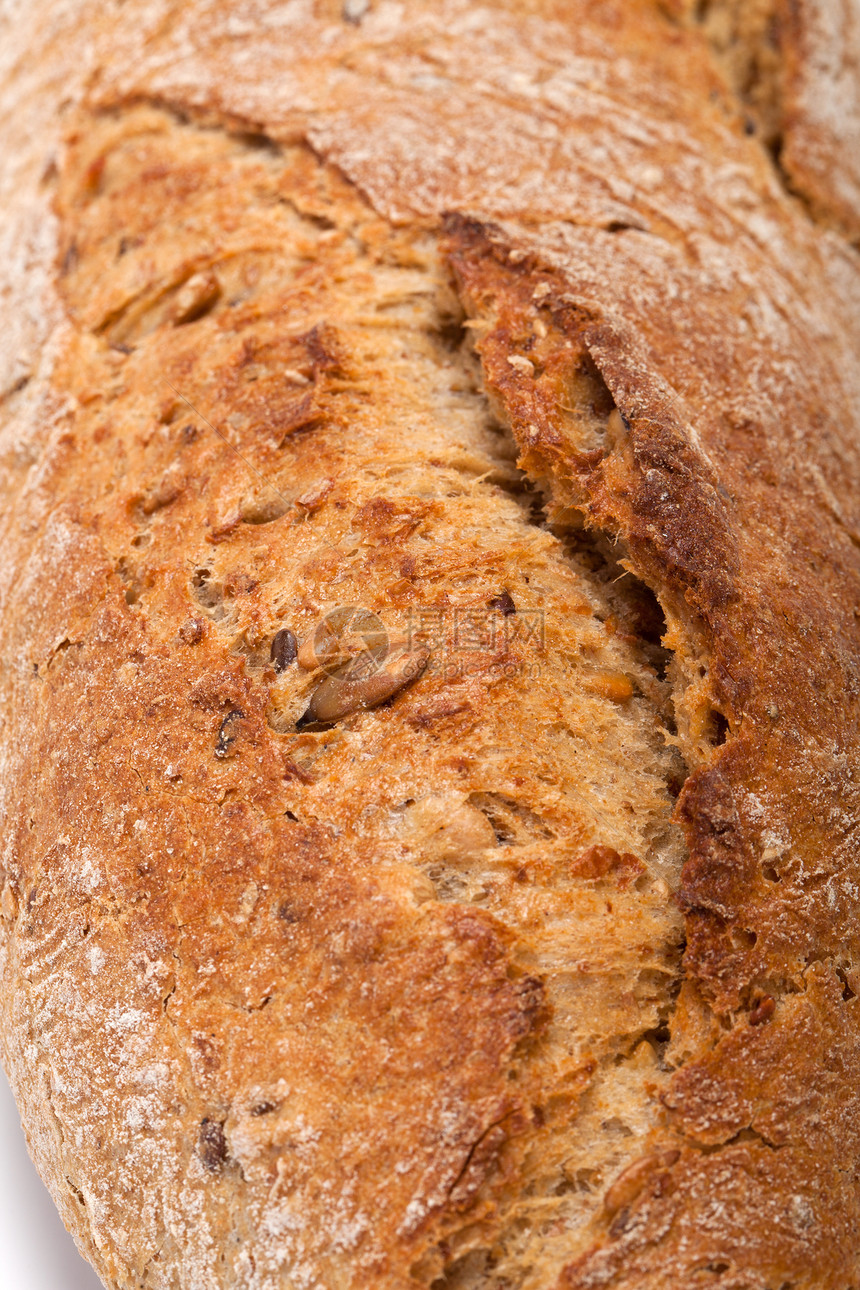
(428, 775)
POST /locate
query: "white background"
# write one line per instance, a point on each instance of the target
(36, 1251)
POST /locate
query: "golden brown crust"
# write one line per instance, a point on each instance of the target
(397, 1001)
(754, 928)
(820, 44)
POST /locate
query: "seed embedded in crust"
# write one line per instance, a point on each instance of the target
(321, 649)
(195, 298)
(345, 634)
(614, 686)
(307, 655)
(364, 682)
(763, 1011)
(212, 1145)
(631, 1181)
(504, 603)
(284, 649)
(228, 732)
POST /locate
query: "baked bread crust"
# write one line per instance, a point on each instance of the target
(401, 1000)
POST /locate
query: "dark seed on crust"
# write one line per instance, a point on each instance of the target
(763, 1011)
(504, 604)
(619, 1224)
(212, 1145)
(284, 649)
(227, 732)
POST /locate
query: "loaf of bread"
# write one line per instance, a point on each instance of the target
(430, 453)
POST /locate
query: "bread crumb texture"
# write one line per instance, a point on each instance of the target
(428, 749)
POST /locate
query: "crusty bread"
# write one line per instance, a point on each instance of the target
(430, 585)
